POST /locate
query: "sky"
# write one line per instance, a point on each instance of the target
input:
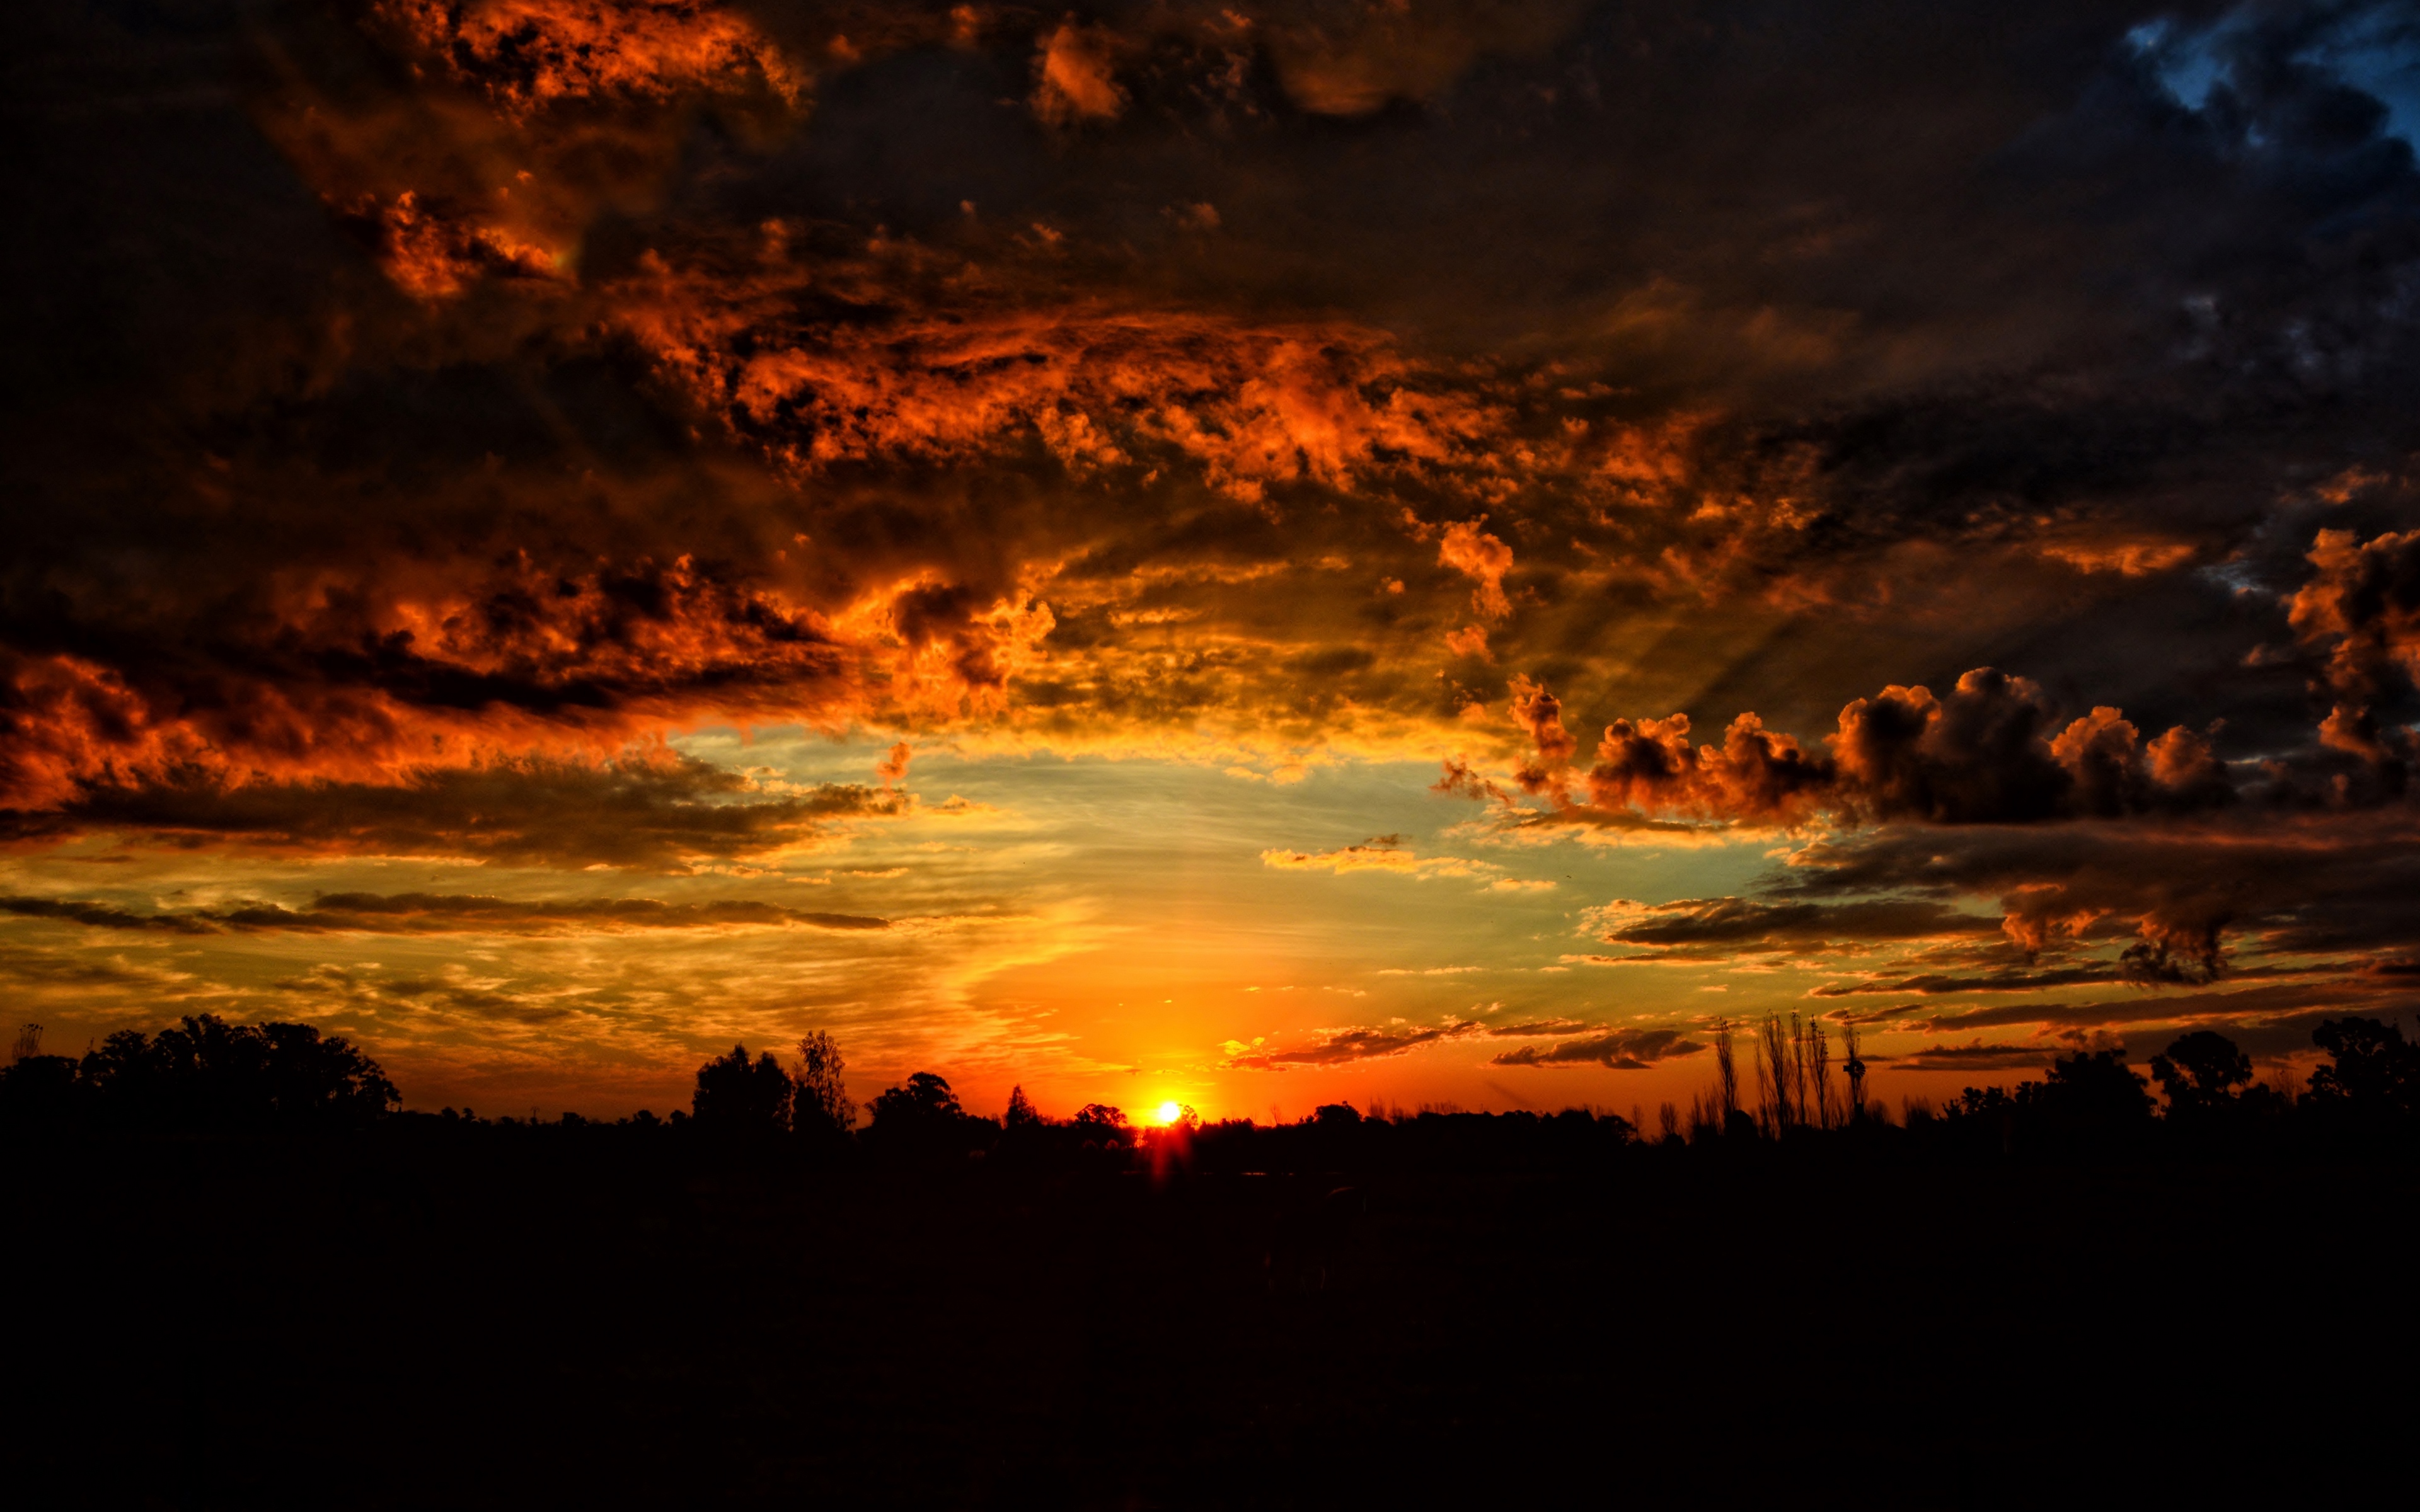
(1248, 554)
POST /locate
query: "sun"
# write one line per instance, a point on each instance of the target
(1171, 1112)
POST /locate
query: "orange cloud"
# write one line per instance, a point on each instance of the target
(1986, 753)
(432, 258)
(2364, 603)
(1349, 60)
(1074, 79)
(1482, 558)
(1540, 713)
(1254, 405)
(2128, 559)
(359, 676)
(533, 52)
(1386, 854)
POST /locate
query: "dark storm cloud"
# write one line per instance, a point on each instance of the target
(662, 815)
(37, 969)
(421, 912)
(1620, 1050)
(1979, 1057)
(1343, 1046)
(1719, 926)
(1997, 982)
(2185, 900)
(101, 916)
(2302, 1004)
(1984, 279)
(2249, 895)
(1337, 1047)
(1992, 750)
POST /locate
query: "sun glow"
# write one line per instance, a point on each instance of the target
(1171, 1112)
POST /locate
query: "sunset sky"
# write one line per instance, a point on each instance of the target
(1256, 554)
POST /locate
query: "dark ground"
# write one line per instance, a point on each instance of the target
(205, 1325)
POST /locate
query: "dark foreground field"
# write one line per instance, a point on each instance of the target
(202, 1324)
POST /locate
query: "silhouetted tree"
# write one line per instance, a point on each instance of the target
(1726, 1076)
(2200, 1072)
(1025, 1135)
(2088, 1099)
(1100, 1120)
(2376, 1072)
(1991, 1101)
(821, 1104)
(1986, 1117)
(737, 1096)
(2097, 1085)
(1333, 1115)
(1798, 1071)
(1772, 1075)
(925, 1099)
(39, 1092)
(1853, 1066)
(922, 1118)
(212, 1075)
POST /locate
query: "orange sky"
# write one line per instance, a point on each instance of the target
(1255, 555)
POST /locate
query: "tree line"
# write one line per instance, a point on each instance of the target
(204, 1075)
(2208, 1096)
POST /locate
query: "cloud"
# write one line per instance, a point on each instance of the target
(1353, 62)
(361, 681)
(1995, 982)
(860, 451)
(1540, 713)
(1076, 79)
(529, 53)
(636, 813)
(1343, 1046)
(469, 913)
(1977, 1057)
(893, 344)
(1482, 558)
(1338, 1047)
(100, 915)
(1534, 1028)
(1386, 854)
(416, 409)
(75, 976)
(1622, 1050)
(420, 912)
(1718, 926)
(1988, 753)
(2173, 897)
(2363, 604)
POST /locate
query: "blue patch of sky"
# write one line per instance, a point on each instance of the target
(2375, 49)
(2187, 61)
(2378, 52)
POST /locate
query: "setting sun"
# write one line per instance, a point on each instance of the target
(1171, 1112)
